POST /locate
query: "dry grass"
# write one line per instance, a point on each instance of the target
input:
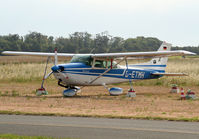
(24, 68)
(151, 101)
(25, 59)
(13, 136)
(187, 65)
(23, 72)
(33, 71)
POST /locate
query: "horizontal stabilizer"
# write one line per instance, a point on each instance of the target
(170, 74)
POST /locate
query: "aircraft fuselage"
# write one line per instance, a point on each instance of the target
(81, 74)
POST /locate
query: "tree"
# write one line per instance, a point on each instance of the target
(36, 42)
(82, 42)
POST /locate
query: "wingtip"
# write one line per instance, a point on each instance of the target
(187, 52)
(190, 53)
(4, 52)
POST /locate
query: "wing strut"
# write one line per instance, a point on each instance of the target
(130, 79)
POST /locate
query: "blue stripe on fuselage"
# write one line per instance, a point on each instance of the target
(82, 69)
(147, 65)
(118, 73)
(96, 71)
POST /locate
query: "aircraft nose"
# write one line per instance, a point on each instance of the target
(55, 68)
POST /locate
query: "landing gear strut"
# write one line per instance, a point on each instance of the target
(131, 91)
(66, 86)
(59, 83)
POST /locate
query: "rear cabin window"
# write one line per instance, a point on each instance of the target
(113, 64)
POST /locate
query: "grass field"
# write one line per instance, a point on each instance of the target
(21, 78)
(11, 136)
(27, 69)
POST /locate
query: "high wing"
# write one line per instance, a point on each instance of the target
(144, 54)
(37, 53)
(109, 55)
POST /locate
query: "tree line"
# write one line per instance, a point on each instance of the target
(81, 42)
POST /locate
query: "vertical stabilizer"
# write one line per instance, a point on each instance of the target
(158, 63)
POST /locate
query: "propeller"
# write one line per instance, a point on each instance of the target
(44, 77)
(48, 75)
(55, 68)
(42, 91)
(55, 64)
(56, 59)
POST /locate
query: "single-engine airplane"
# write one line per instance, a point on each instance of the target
(102, 69)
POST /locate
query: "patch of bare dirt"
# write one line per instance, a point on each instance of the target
(153, 101)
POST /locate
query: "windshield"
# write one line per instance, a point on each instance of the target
(87, 60)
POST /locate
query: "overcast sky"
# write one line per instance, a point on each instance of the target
(174, 21)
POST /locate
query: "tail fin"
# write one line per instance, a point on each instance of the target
(158, 63)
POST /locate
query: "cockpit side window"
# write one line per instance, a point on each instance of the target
(104, 64)
(100, 64)
(88, 60)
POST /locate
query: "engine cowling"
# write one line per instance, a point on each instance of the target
(115, 91)
(69, 92)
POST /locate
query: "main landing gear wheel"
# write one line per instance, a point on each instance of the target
(71, 91)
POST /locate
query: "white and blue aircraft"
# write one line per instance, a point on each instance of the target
(102, 69)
